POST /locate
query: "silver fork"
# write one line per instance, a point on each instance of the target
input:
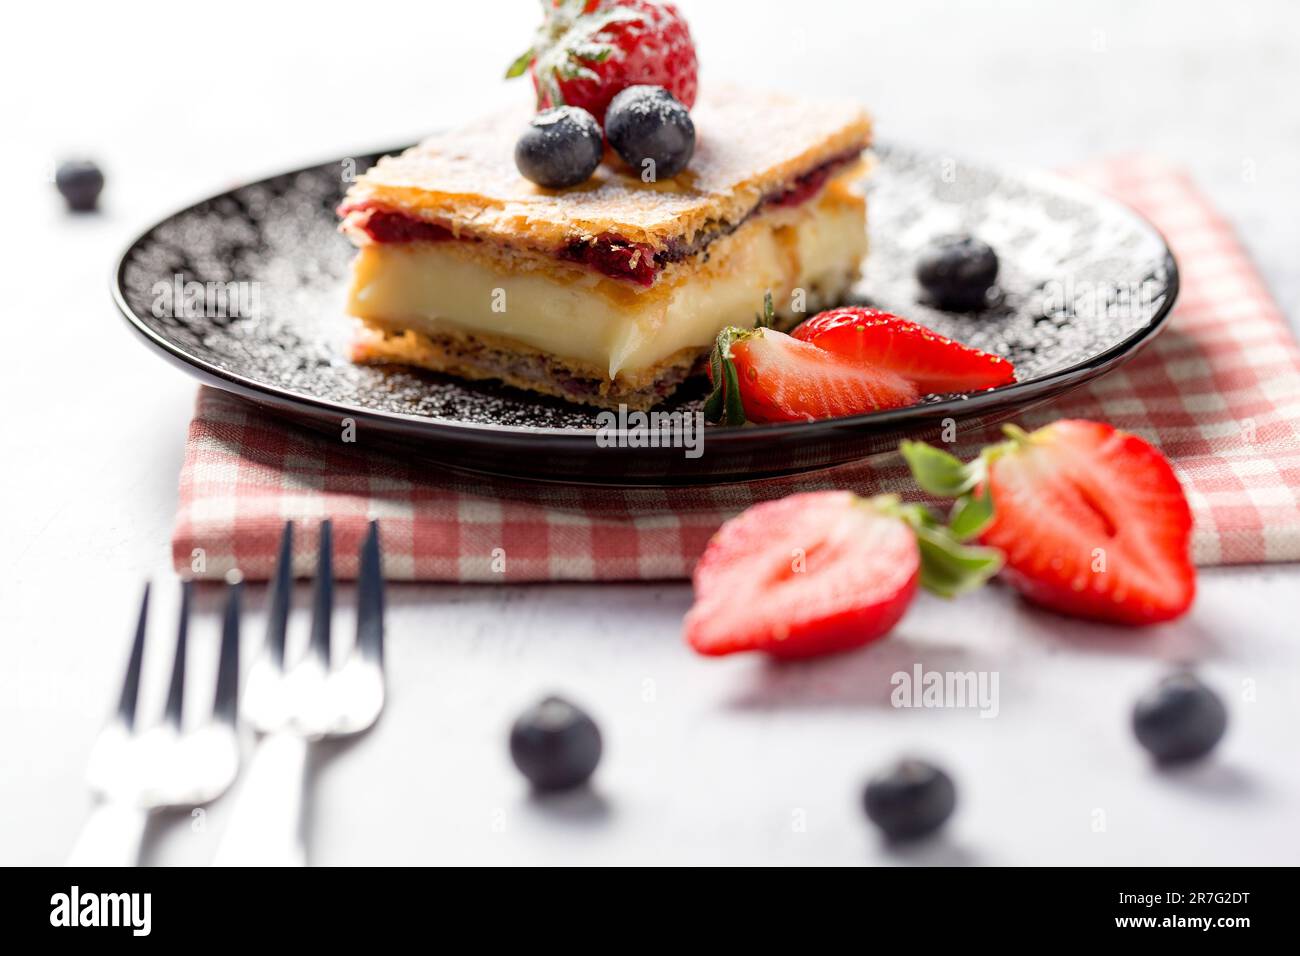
(133, 771)
(293, 705)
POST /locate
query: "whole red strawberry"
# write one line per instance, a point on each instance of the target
(587, 51)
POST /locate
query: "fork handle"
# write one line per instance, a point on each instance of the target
(111, 836)
(265, 826)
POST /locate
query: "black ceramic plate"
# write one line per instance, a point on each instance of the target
(1084, 283)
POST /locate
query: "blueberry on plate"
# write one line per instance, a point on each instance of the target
(957, 272)
(910, 799)
(651, 130)
(80, 181)
(555, 744)
(560, 147)
(1179, 719)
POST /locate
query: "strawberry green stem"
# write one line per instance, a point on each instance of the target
(1017, 434)
(724, 405)
(948, 567)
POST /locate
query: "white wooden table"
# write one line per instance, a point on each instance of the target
(707, 761)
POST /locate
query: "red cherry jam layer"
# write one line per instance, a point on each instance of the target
(805, 187)
(385, 226)
(612, 255)
(609, 254)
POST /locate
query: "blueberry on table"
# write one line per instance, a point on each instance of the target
(1179, 719)
(910, 799)
(80, 181)
(957, 272)
(560, 147)
(555, 744)
(651, 130)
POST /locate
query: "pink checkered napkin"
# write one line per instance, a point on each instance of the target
(1218, 392)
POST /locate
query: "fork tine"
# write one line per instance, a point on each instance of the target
(176, 689)
(323, 595)
(131, 683)
(224, 707)
(370, 598)
(277, 620)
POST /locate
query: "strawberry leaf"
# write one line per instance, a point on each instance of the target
(970, 515)
(948, 567)
(713, 406)
(520, 66)
(724, 405)
(593, 52)
(574, 70)
(735, 411)
(1016, 434)
(938, 472)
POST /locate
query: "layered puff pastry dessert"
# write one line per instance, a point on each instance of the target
(612, 291)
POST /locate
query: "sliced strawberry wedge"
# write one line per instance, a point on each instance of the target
(930, 362)
(782, 379)
(809, 574)
(761, 375)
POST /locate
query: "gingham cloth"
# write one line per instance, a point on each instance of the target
(1218, 392)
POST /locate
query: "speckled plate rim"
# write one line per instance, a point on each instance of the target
(1019, 394)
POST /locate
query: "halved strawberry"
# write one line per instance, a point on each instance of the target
(1092, 520)
(761, 375)
(934, 364)
(809, 574)
(822, 572)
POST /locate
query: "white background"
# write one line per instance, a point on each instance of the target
(707, 761)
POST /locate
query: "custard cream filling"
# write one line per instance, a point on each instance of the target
(594, 321)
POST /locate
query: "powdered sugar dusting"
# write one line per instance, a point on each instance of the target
(281, 233)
